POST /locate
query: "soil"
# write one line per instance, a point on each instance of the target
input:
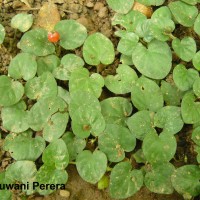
(96, 17)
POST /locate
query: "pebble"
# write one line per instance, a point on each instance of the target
(17, 4)
(98, 6)
(38, 198)
(90, 4)
(73, 16)
(64, 193)
(103, 12)
(59, 1)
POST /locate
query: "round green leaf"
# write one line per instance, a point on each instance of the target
(72, 33)
(23, 147)
(21, 171)
(74, 144)
(41, 111)
(122, 82)
(56, 155)
(161, 12)
(98, 49)
(115, 140)
(197, 25)
(115, 110)
(11, 91)
(2, 34)
(151, 2)
(191, 2)
(184, 14)
(196, 135)
(35, 42)
(50, 175)
(159, 148)
(41, 87)
(87, 120)
(196, 87)
(154, 61)
(126, 60)
(121, 6)
(146, 95)
(5, 194)
(185, 180)
(169, 119)
(91, 166)
(68, 63)
(80, 80)
(158, 179)
(190, 109)
(47, 64)
(124, 182)
(64, 94)
(141, 123)
(196, 61)
(130, 20)
(185, 48)
(23, 65)
(22, 21)
(15, 117)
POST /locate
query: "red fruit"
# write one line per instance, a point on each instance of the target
(53, 37)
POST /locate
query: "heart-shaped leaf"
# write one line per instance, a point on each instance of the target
(115, 110)
(91, 166)
(72, 33)
(115, 140)
(122, 82)
(56, 155)
(41, 87)
(102, 52)
(154, 61)
(159, 148)
(146, 95)
(185, 48)
(132, 181)
(68, 63)
(11, 91)
(161, 12)
(23, 65)
(35, 42)
(2, 34)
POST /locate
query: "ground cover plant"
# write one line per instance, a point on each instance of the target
(53, 109)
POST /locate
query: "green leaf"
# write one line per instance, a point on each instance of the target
(141, 123)
(47, 64)
(146, 95)
(80, 80)
(91, 166)
(159, 148)
(23, 147)
(41, 87)
(115, 110)
(50, 175)
(55, 127)
(22, 21)
(23, 65)
(21, 171)
(185, 48)
(191, 2)
(129, 21)
(196, 61)
(197, 25)
(2, 34)
(41, 111)
(190, 109)
(68, 64)
(139, 156)
(158, 179)
(87, 120)
(72, 33)
(103, 183)
(74, 144)
(151, 2)
(132, 181)
(121, 6)
(56, 155)
(196, 87)
(35, 42)
(115, 140)
(64, 94)
(169, 119)
(154, 61)
(185, 180)
(98, 49)
(184, 14)
(123, 82)
(126, 60)
(196, 135)
(5, 194)
(11, 91)
(161, 12)
(127, 42)
(171, 94)
(15, 117)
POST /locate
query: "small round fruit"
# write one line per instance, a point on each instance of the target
(146, 10)
(53, 37)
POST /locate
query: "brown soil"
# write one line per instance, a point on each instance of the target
(96, 16)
